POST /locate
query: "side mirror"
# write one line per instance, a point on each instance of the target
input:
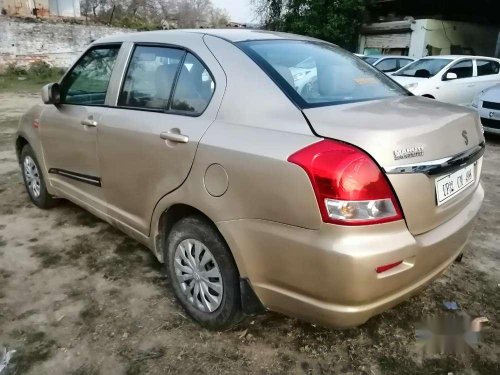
(51, 93)
(450, 76)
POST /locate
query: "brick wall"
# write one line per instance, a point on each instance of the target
(58, 43)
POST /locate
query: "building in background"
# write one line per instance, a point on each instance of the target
(432, 27)
(64, 8)
(40, 8)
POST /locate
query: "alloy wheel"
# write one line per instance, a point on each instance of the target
(198, 274)
(32, 176)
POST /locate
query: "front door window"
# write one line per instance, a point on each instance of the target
(87, 82)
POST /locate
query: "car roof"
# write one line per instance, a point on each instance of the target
(456, 57)
(391, 56)
(231, 35)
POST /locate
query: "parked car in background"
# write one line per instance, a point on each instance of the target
(387, 64)
(451, 79)
(487, 103)
(252, 193)
(304, 76)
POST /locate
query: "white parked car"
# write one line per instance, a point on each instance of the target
(451, 79)
(387, 63)
(487, 103)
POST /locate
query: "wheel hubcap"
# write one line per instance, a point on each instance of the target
(32, 176)
(198, 275)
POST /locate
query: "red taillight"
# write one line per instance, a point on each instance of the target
(350, 188)
(387, 267)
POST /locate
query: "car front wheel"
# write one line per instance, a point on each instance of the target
(202, 273)
(33, 179)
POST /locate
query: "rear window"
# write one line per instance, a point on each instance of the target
(423, 68)
(487, 67)
(370, 60)
(317, 74)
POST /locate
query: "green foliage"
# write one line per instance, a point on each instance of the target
(42, 71)
(131, 22)
(28, 79)
(14, 70)
(337, 21)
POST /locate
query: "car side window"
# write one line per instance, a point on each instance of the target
(387, 65)
(487, 67)
(462, 69)
(404, 62)
(87, 82)
(194, 88)
(150, 77)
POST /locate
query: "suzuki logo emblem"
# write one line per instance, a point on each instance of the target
(466, 139)
(491, 114)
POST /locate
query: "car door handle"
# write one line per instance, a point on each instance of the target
(89, 122)
(174, 137)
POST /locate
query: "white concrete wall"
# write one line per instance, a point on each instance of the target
(57, 43)
(443, 34)
(25, 7)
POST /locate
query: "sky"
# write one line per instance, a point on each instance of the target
(238, 10)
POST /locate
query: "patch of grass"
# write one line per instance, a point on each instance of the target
(86, 219)
(34, 347)
(48, 256)
(9, 84)
(30, 79)
(86, 370)
(90, 312)
(82, 248)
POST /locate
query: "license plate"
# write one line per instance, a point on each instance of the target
(452, 184)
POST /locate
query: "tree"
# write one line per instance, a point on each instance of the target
(88, 6)
(337, 21)
(155, 14)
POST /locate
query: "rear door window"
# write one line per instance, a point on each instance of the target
(194, 88)
(150, 77)
(387, 65)
(462, 69)
(404, 62)
(487, 67)
(88, 80)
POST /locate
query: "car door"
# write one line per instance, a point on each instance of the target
(147, 142)
(69, 129)
(461, 89)
(488, 73)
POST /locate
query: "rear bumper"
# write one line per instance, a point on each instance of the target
(328, 275)
(491, 130)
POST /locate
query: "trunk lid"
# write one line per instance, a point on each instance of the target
(423, 130)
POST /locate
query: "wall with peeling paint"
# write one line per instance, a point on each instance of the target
(25, 7)
(58, 43)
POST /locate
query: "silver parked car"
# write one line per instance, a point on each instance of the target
(487, 103)
(331, 204)
(387, 63)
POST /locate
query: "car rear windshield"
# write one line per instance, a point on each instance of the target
(423, 68)
(370, 60)
(317, 74)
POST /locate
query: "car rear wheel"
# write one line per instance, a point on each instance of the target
(202, 273)
(33, 179)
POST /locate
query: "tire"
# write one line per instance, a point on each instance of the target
(33, 179)
(213, 301)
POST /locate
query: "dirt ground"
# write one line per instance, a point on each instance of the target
(79, 297)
